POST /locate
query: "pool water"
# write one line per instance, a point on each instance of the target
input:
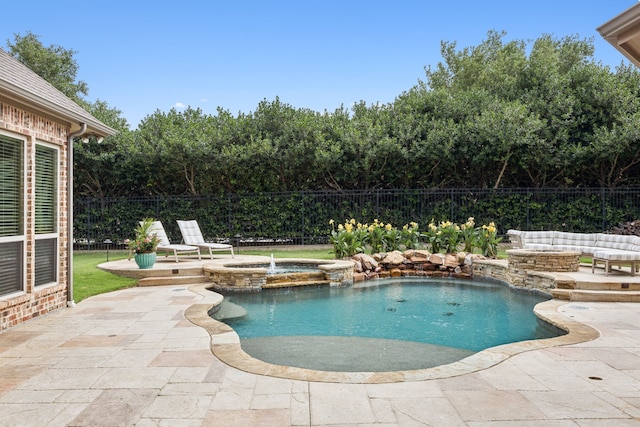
(429, 322)
(282, 268)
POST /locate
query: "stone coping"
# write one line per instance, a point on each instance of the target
(550, 252)
(225, 345)
(232, 265)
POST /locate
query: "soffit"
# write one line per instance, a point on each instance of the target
(623, 32)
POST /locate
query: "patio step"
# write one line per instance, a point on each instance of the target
(172, 280)
(595, 296)
(608, 286)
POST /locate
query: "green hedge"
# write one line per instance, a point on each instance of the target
(303, 217)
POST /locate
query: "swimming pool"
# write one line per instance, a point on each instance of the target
(385, 325)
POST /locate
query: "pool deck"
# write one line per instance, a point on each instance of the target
(133, 358)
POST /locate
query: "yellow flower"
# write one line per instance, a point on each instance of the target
(331, 222)
(340, 227)
(371, 228)
(353, 221)
(413, 224)
(432, 226)
(405, 227)
(388, 227)
(348, 227)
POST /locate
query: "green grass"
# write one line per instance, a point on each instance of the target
(89, 280)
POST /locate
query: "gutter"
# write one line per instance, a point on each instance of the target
(83, 129)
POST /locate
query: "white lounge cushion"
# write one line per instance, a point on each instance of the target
(191, 235)
(165, 244)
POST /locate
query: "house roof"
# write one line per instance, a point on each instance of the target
(623, 32)
(19, 85)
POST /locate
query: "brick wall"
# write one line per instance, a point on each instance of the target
(34, 302)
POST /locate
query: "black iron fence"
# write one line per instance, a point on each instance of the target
(303, 217)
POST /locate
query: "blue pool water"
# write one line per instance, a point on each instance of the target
(446, 316)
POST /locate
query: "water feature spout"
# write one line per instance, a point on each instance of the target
(272, 265)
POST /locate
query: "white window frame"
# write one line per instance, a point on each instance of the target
(23, 237)
(56, 234)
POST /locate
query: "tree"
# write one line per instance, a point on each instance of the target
(55, 64)
(548, 115)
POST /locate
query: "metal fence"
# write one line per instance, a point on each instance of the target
(303, 217)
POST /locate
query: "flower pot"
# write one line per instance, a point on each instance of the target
(145, 260)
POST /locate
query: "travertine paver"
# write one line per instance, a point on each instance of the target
(130, 358)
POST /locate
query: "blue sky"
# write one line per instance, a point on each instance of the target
(140, 56)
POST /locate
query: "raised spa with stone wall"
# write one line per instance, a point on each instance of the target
(248, 276)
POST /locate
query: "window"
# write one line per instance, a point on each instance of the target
(46, 217)
(11, 215)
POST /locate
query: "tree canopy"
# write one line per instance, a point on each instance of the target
(501, 114)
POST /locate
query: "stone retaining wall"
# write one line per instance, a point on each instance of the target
(501, 270)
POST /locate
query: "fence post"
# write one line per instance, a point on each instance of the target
(303, 219)
(604, 209)
(451, 207)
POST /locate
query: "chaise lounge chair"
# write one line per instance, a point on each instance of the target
(166, 246)
(191, 235)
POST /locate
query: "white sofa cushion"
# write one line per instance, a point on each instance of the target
(614, 241)
(616, 255)
(531, 238)
(539, 247)
(574, 239)
(581, 242)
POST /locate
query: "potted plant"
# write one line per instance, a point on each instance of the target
(144, 245)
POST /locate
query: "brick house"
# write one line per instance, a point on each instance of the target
(37, 126)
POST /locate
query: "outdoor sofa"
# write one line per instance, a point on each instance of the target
(607, 249)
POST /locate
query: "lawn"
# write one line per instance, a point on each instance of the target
(88, 280)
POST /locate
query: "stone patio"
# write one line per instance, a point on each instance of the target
(135, 358)
(131, 358)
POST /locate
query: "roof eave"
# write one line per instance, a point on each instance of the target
(50, 109)
(623, 33)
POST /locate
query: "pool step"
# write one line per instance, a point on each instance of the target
(172, 280)
(227, 310)
(295, 283)
(595, 295)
